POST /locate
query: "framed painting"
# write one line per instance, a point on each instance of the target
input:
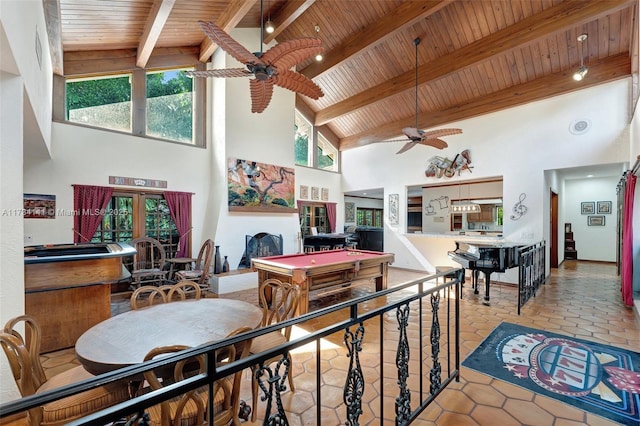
(349, 212)
(324, 194)
(604, 207)
(315, 193)
(260, 187)
(394, 214)
(595, 220)
(304, 192)
(588, 207)
(39, 206)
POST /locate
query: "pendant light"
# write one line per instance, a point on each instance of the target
(319, 55)
(582, 71)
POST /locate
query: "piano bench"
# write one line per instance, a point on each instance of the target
(450, 275)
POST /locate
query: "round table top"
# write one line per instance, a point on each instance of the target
(126, 338)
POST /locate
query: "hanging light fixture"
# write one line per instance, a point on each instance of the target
(269, 27)
(319, 55)
(465, 206)
(582, 71)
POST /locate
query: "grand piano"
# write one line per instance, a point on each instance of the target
(485, 257)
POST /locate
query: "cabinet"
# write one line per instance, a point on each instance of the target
(414, 214)
(485, 215)
(570, 251)
(456, 221)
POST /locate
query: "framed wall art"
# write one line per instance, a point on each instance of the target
(260, 187)
(349, 212)
(39, 206)
(315, 193)
(604, 207)
(324, 194)
(304, 192)
(588, 207)
(394, 214)
(595, 220)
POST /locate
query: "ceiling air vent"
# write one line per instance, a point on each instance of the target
(580, 127)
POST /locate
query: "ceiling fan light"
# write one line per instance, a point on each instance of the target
(269, 27)
(581, 73)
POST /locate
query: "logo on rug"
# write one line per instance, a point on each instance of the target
(604, 379)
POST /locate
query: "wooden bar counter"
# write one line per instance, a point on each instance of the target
(68, 288)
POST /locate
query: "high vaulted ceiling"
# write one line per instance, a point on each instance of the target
(475, 56)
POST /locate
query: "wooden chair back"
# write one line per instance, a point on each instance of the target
(149, 295)
(204, 260)
(24, 353)
(149, 254)
(184, 290)
(284, 302)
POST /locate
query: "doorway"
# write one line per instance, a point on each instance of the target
(553, 261)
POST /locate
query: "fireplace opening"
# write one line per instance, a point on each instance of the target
(260, 245)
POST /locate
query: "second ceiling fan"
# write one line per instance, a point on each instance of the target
(421, 137)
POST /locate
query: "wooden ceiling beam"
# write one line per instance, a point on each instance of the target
(552, 20)
(232, 15)
(54, 34)
(603, 71)
(290, 12)
(407, 14)
(152, 28)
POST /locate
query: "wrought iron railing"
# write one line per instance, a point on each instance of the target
(425, 312)
(532, 271)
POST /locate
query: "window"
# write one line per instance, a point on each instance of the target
(131, 215)
(100, 102)
(159, 104)
(304, 136)
(369, 217)
(313, 215)
(170, 105)
(312, 148)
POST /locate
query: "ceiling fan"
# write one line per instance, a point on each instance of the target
(270, 68)
(417, 136)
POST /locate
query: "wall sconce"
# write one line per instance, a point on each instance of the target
(582, 71)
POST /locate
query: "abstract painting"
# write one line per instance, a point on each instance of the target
(260, 187)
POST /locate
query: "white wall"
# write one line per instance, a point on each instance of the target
(518, 144)
(592, 242)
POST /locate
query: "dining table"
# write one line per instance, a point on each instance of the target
(124, 340)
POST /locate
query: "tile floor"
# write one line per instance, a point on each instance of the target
(580, 299)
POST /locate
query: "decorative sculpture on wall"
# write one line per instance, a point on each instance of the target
(519, 209)
(442, 166)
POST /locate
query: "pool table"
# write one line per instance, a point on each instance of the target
(319, 270)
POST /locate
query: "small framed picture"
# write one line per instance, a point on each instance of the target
(588, 207)
(324, 194)
(304, 192)
(595, 220)
(315, 193)
(604, 207)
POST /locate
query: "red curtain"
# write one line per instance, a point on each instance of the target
(89, 203)
(331, 216)
(627, 241)
(179, 204)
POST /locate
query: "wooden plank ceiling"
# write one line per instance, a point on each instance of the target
(475, 56)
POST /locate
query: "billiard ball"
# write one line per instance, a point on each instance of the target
(313, 261)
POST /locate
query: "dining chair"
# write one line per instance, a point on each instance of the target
(191, 407)
(23, 354)
(284, 303)
(202, 272)
(148, 262)
(183, 290)
(149, 295)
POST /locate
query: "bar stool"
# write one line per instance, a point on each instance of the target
(338, 246)
(324, 248)
(450, 275)
(351, 245)
(309, 249)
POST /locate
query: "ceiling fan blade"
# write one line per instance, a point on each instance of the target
(287, 54)
(407, 147)
(229, 72)
(434, 142)
(298, 83)
(261, 92)
(412, 132)
(226, 43)
(439, 133)
(392, 140)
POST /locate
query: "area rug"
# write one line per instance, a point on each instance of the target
(598, 378)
